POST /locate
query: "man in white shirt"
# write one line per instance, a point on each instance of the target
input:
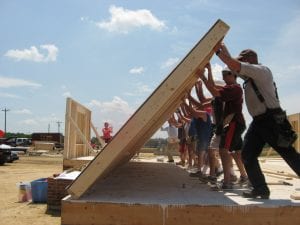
(172, 141)
(266, 127)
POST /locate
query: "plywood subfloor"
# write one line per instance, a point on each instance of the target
(145, 191)
(163, 183)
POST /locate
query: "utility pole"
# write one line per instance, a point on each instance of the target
(58, 126)
(5, 110)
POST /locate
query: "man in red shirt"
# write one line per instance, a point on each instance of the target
(233, 122)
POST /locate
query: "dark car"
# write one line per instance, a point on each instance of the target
(4, 155)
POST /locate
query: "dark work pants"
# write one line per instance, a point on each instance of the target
(261, 131)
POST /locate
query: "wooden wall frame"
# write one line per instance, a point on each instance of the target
(77, 130)
(150, 116)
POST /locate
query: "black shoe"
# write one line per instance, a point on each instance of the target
(196, 174)
(212, 179)
(255, 194)
(170, 161)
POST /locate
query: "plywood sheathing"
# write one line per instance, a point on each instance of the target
(77, 130)
(150, 116)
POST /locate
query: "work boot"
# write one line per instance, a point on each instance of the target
(264, 193)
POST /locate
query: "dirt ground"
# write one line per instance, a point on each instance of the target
(26, 169)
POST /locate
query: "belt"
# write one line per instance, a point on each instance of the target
(267, 114)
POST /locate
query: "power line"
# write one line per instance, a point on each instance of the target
(58, 126)
(5, 110)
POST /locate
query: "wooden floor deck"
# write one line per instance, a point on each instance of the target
(145, 191)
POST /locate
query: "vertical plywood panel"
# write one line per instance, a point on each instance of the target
(77, 130)
(152, 113)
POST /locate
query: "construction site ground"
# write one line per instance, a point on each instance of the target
(26, 169)
(29, 168)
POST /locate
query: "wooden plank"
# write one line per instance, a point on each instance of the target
(97, 135)
(152, 113)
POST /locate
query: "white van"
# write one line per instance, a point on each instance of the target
(21, 141)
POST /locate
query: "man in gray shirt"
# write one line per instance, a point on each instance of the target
(263, 105)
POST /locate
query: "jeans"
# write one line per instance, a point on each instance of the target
(260, 132)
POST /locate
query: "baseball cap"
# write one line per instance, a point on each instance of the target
(227, 71)
(247, 53)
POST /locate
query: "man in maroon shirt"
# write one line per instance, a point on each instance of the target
(233, 122)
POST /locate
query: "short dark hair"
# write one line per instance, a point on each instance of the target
(247, 53)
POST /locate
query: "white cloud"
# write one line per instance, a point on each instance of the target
(22, 111)
(117, 112)
(6, 82)
(139, 89)
(137, 70)
(123, 20)
(7, 95)
(143, 88)
(169, 63)
(30, 122)
(94, 103)
(52, 53)
(34, 54)
(41, 124)
(117, 104)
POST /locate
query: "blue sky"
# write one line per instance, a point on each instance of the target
(111, 55)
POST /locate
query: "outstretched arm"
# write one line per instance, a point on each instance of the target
(195, 112)
(223, 53)
(209, 82)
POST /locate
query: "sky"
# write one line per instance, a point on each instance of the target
(111, 55)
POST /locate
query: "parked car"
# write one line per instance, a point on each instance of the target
(5, 153)
(15, 141)
(18, 144)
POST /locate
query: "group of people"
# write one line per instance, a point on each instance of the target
(209, 129)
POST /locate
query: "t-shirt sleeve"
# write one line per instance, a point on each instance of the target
(254, 71)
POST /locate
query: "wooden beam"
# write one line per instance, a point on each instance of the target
(150, 116)
(97, 135)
